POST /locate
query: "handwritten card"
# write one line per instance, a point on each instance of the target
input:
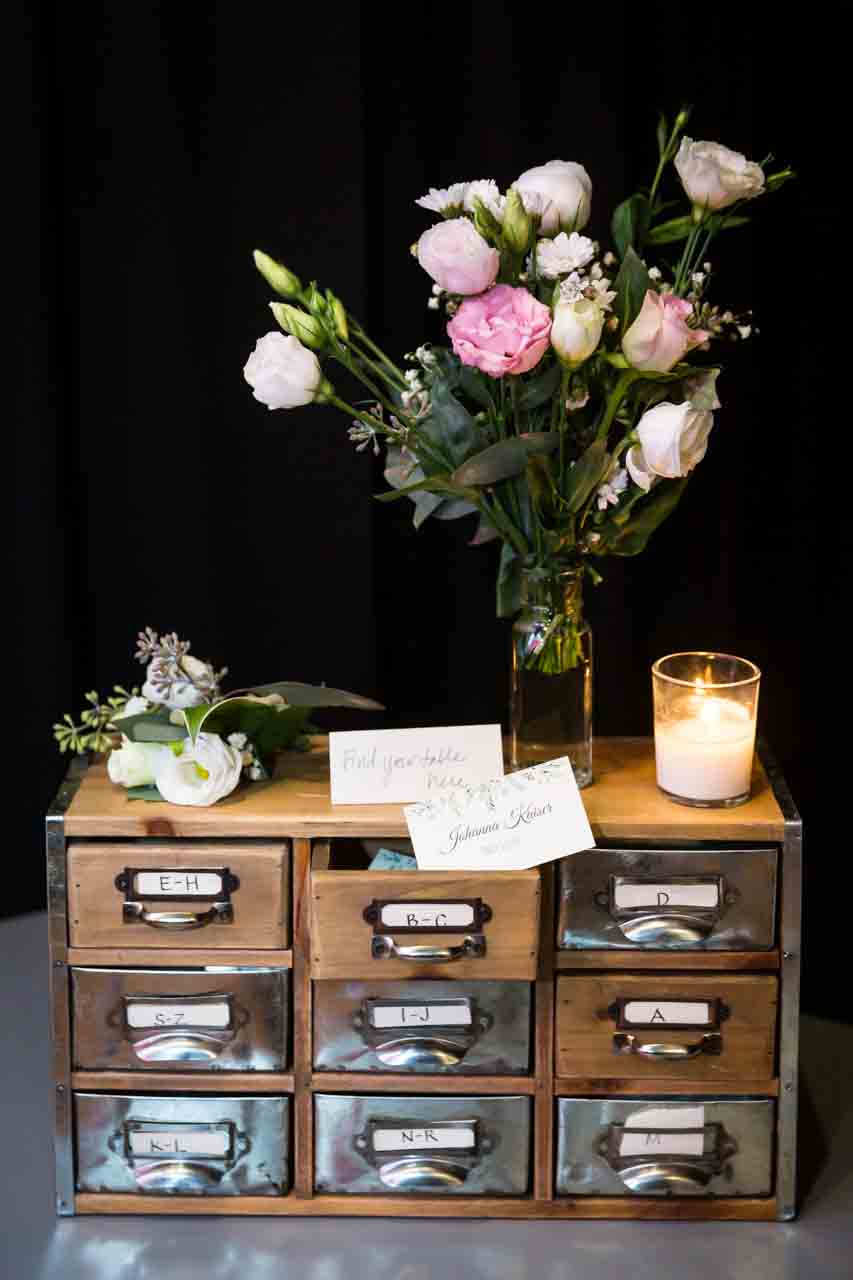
(392, 766)
(509, 824)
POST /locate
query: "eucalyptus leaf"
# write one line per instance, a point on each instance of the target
(661, 502)
(448, 426)
(505, 459)
(631, 286)
(143, 793)
(453, 509)
(509, 582)
(151, 726)
(586, 475)
(313, 695)
(630, 223)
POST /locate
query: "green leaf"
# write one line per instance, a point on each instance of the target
(630, 223)
(448, 425)
(505, 459)
(540, 388)
(151, 726)
(445, 485)
(631, 285)
(679, 228)
(586, 475)
(269, 729)
(317, 695)
(143, 793)
(661, 502)
(509, 582)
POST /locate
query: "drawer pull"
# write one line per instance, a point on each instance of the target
(665, 1179)
(177, 1176)
(667, 930)
(411, 1053)
(179, 1048)
(135, 913)
(684, 1163)
(411, 1174)
(384, 947)
(624, 1042)
(215, 884)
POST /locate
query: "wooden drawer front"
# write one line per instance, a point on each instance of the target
(666, 1026)
(654, 1147)
(180, 1020)
(421, 1146)
(210, 1146)
(366, 923)
(228, 894)
(664, 899)
(449, 1028)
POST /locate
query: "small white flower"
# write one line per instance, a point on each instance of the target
(433, 304)
(485, 189)
(572, 289)
(425, 357)
(654, 273)
(698, 277)
(441, 199)
(744, 330)
(238, 740)
(609, 259)
(413, 378)
(707, 266)
(563, 254)
(616, 484)
(602, 292)
(595, 271)
(577, 401)
(593, 537)
(257, 772)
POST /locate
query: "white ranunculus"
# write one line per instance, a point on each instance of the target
(673, 439)
(714, 177)
(135, 764)
(576, 330)
(204, 772)
(282, 373)
(567, 185)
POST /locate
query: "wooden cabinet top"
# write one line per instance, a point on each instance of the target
(623, 803)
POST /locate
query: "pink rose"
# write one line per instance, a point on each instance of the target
(457, 257)
(504, 331)
(660, 337)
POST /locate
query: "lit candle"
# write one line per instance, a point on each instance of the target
(705, 728)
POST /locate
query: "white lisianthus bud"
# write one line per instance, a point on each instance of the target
(305, 327)
(135, 764)
(714, 177)
(277, 275)
(204, 772)
(568, 187)
(673, 439)
(576, 330)
(284, 374)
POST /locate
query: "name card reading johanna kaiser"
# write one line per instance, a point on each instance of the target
(392, 766)
(509, 824)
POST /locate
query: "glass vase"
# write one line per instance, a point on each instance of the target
(551, 691)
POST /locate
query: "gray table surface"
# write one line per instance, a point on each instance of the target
(35, 1245)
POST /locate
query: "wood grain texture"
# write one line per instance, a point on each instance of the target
(585, 1027)
(388, 1082)
(247, 1082)
(623, 803)
(340, 936)
(643, 1208)
(303, 1053)
(176, 958)
(676, 961)
(610, 1087)
(261, 902)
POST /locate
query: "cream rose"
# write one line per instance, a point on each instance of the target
(567, 186)
(673, 438)
(714, 177)
(576, 330)
(135, 764)
(204, 772)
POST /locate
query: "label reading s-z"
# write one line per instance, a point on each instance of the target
(427, 915)
(144, 1014)
(627, 896)
(456, 1014)
(424, 1139)
(191, 1142)
(177, 884)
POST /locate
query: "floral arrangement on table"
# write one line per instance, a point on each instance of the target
(569, 411)
(181, 740)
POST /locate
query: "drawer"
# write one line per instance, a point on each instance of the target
(661, 899)
(667, 1026)
(658, 1147)
(403, 924)
(452, 1028)
(182, 1146)
(421, 1146)
(180, 1019)
(223, 894)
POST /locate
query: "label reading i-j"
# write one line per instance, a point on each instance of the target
(146, 1014)
(457, 1014)
(666, 895)
(190, 1142)
(427, 915)
(177, 884)
(427, 1139)
(634, 1143)
(681, 1013)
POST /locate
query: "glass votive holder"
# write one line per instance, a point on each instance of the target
(705, 713)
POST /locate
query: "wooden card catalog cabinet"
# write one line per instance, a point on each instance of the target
(247, 1019)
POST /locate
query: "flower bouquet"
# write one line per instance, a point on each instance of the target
(574, 401)
(181, 740)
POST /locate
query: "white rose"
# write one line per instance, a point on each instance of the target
(673, 439)
(714, 177)
(203, 773)
(567, 185)
(576, 330)
(282, 373)
(135, 764)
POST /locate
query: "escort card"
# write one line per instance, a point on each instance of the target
(392, 766)
(509, 824)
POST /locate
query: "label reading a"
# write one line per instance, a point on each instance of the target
(457, 1014)
(191, 1142)
(655, 1143)
(626, 896)
(681, 1013)
(427, 915)
(144, 1014)
(177, 884)
(424, 1139)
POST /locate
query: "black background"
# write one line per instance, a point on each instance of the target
(154, 146)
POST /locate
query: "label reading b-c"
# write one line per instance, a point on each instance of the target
(427, 915)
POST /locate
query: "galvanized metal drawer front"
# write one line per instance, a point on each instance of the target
(452, 1028)
(421, 1146)
(180, 1019)
(664, 1147)
(663, 899)
(183, 1146)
